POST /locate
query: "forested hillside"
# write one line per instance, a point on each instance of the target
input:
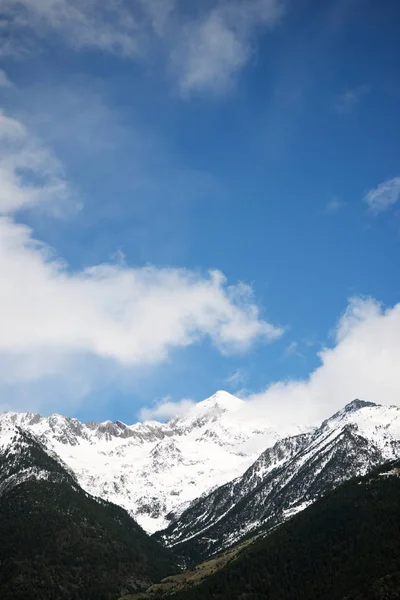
(59, 543)
(345, 546)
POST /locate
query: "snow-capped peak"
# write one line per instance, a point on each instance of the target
(380, 424)
(155, 469)
(208, 411)
(352, 407)
(223, 401)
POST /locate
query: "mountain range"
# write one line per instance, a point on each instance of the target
(213, 477)
(154, 470)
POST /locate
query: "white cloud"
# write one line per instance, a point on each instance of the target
(218, 44)
(133, 316)
(210, 55)
(4, 80)
(362, 363)
(349, 99)
(384, 196)
(29, 173)
(51, 316)
(207, 48)
(166, 409)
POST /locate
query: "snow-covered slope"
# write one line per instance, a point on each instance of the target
(154, 470)
(288, 477)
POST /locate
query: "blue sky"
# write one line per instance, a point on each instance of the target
(258, 138)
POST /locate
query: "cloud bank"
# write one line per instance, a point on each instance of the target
(362, 363)
(51, 316)
(130, 315)
(166, 409)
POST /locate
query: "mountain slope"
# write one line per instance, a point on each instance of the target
(346, 546)
(155, 470)
(286, 478)
(58, 542)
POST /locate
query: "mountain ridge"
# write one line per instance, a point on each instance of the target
(120, 462)
(157, 471)
(286, 478)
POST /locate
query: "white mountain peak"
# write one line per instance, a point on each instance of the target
(223, 400)
(209, 410)
(375, 421)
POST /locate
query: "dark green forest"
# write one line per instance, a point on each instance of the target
(345, 546)
(59, 543)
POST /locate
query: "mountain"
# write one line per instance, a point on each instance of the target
(286, 478)
(213, 476)
(154, 470)
(57, 542)
(346, 546)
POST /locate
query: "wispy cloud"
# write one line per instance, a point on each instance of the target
(384, 196)
(347, 101)
(4, 80)
(334, 206)
(29, 173)
(206, 48)
(292, 349)
(114, 154)
(238, 378)
(219, 43)
(111, 26)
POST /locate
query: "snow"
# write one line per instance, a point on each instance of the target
(293, 510)
(379, 424)
(289, 476)
(7, 434)
(155, 470)
(391, 473)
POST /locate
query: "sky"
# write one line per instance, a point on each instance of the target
(198, 196)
